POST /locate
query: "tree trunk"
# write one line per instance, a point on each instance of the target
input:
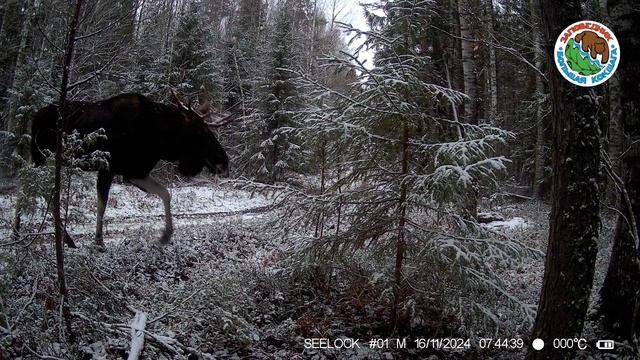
(574, 221)
(453, 60)
(471, 105)
(614, 131)
(323, 174)
(491, 76)
(59, 230)
(616, 138)
(167, 44)
(313, 39)
(2, 12)
(141, 12)
(275, 174)
(619, 293)
(401, 244)
(541, 143)
(468, 54)
(22, 48)
(9, 31)
(20, 125)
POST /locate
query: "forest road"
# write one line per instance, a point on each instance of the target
(121, 225)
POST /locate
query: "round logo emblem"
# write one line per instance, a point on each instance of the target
(587, 53)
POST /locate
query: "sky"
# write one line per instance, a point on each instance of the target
(352, 14)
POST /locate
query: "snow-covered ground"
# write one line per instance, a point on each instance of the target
(189, 290)
(222, 289)
(127, 200)
(130, 207)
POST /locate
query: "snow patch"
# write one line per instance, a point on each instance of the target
(511, 224)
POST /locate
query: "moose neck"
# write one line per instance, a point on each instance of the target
(175, 140)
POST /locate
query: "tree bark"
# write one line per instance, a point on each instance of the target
(541, 143)
(312, 39)
(20, 125)
(22, 47)
(468, 54)
(9, 31)
(614, 128)
(491, 76)
(471, 105)
(574, 221)
(615, 136)
(619, 294)
(59, 230)
(401, 243)
(453, 60)
(322, 152)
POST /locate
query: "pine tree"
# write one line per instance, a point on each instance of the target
(400, 156)
(244, 66)
(280, 98)
(194, 70)
(243, 55)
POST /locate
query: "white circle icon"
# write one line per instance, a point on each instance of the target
(587, 53)
(538, 344)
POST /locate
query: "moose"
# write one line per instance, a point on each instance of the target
(139, 133)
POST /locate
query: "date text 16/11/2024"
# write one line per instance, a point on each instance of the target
(420, 343)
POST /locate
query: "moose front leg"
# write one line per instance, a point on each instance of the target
(103, 185)
(151, 186)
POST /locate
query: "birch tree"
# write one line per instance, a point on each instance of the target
(469, 51)
(491, 76)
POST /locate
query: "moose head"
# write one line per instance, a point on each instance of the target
(203, 147)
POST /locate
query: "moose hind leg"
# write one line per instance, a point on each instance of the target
(103, 186)
(151, 186)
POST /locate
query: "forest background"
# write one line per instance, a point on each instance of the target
(381, 151)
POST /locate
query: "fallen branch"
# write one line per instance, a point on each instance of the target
(45, 357)
(137, 335)
(514, 195)
(166, 343)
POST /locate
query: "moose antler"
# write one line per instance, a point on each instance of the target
(204, 112)
(215, 120)
(178, 101)
(222, 119)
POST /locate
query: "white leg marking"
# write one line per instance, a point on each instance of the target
(152, 186)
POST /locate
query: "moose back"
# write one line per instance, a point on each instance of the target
(139, 133)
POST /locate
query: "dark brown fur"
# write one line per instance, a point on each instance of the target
(139, 132)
